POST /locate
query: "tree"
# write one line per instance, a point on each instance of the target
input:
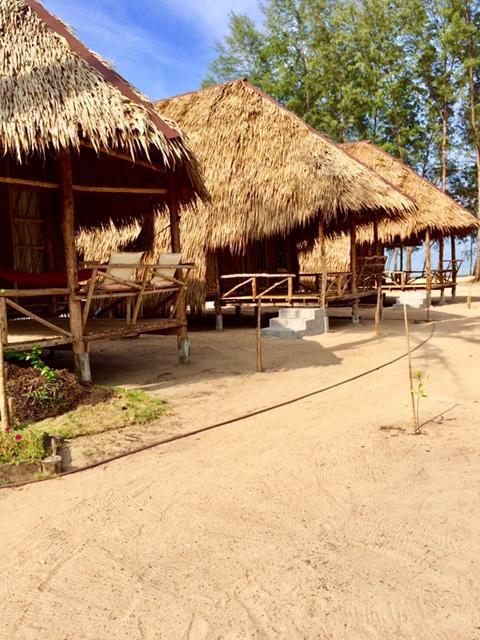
(243, 54)
(466, 24)
(402, 73)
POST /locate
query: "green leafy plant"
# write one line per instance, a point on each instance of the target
(32, 358)
(418, 392)
(21, 446)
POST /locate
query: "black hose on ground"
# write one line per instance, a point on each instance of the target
(224, 423)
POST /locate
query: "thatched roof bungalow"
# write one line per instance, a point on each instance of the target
(437, 214)
(78, 147)
(270, 176)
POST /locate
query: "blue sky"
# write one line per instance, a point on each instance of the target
(163, 47)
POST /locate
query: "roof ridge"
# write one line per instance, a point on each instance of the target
(406, 166)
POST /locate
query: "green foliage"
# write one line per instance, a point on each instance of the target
(127, 408)
(402, 73)
(24, 445)
(33, 359)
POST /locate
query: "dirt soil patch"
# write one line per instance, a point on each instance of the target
(36, 396)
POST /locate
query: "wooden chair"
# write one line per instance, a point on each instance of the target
(117, 280)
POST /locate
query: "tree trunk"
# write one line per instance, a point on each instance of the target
(473, 118)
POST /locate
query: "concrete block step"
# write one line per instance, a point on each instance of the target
(282, 332)
(301, 312)
(297, 324)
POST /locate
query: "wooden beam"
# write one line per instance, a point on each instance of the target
(37, 318)
(23, 182)
(376, 246)
(82, 188)
(4, 410)
(33, 293)
(125, 157)
(80, 353)
(353, 267)
(323, 265)
(440, 270)
(123, 190)
(454, 267)
(428, 271)
(181, 310)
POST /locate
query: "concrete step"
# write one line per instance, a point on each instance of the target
(416, 299)
(297, 324)
(282, 332)
(307, 313)
(291, 323)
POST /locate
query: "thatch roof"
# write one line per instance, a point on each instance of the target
(437, 211)
(268, 172)
(56, 93)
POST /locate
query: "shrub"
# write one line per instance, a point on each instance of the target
(21, 446)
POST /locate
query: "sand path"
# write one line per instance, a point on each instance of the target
(307, 522)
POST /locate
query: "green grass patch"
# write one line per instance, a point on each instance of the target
(23, 445)
(126, 408)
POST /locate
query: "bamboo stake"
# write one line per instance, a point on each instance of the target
(378, 309)
(353, 268)
(4, 409)
(428, 268)
(454, 268)
(323, 263)
(183, 341)
(259, 337)
(440, 270)
(410, 370)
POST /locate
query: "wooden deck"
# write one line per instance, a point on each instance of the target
(27, 334)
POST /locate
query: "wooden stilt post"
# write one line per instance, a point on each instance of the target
(428, 269)
(323, 260)
(181, 308)
(379, 277)
(376, 244)
(440, 270)
(259, 336)
(454, 267)
(469, 296)
(80, 353)
(218, 298)
(353, 267)
(416, 426)
(4, 409)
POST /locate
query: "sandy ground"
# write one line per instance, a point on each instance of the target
(325, 518)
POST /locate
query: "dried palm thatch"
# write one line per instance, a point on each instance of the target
(268, 173)
(437, 212)
(56, 93)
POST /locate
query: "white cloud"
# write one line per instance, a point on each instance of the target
(212, 15)
(161, 46)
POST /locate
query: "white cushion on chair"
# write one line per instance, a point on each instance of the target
(166, 258)
(119, 257)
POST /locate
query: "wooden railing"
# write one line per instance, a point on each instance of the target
(9, 299)
(446, 276)
(250, 286)
(103, 285)
(133, 292)
(304, 286)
